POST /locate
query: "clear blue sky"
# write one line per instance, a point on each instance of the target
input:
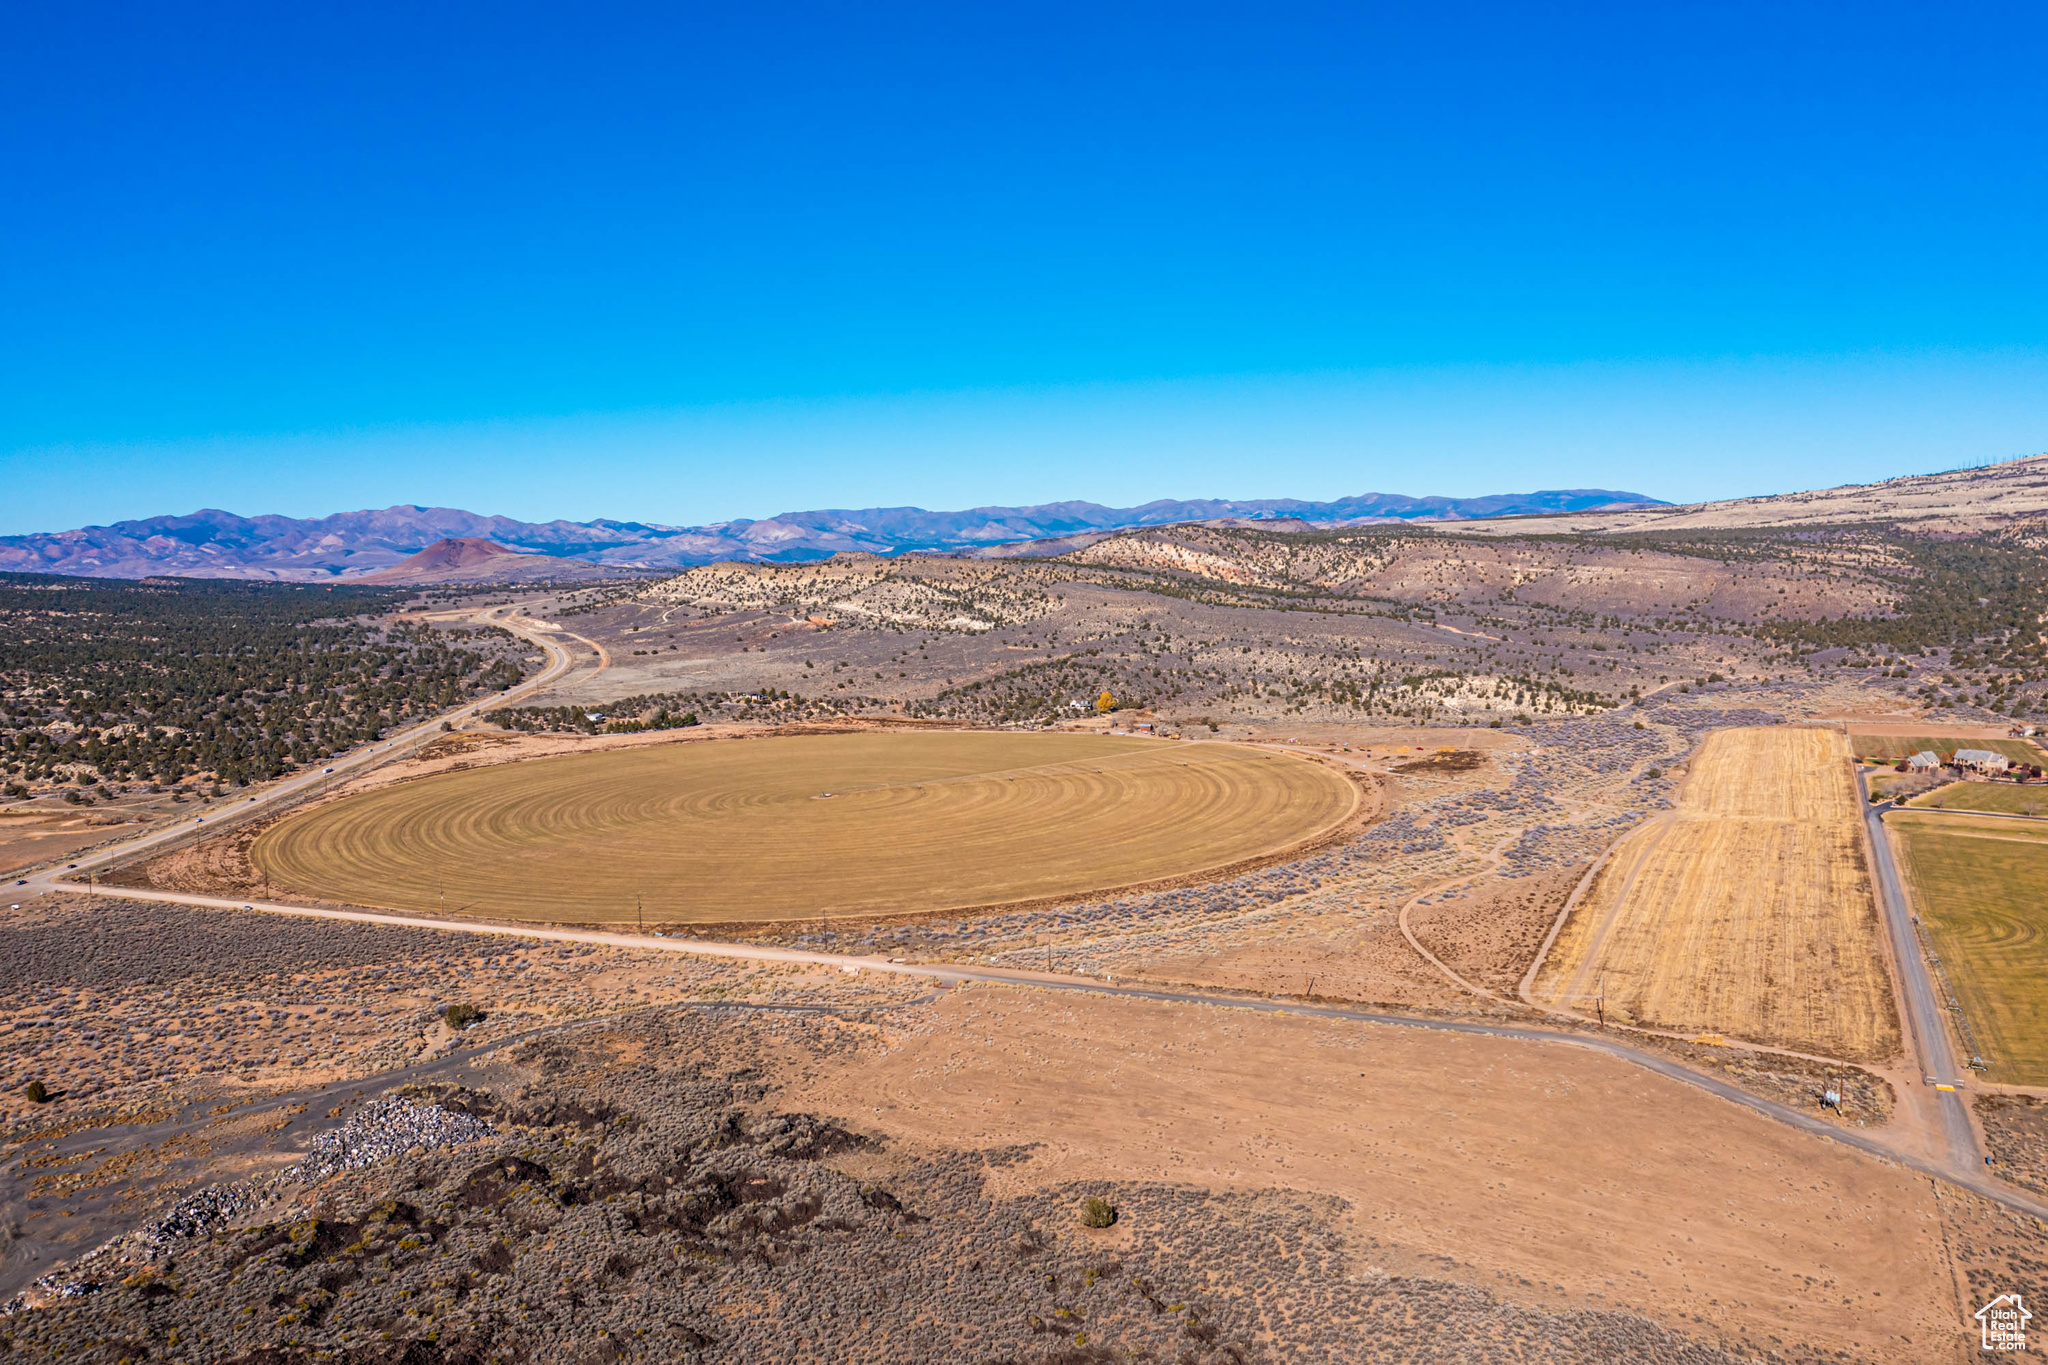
(691, 262)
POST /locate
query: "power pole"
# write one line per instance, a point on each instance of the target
(639, 920)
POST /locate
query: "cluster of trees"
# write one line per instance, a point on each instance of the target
(620, 718)
(1969, 608)
(166, 680)
(1040, 692)
(675, 710)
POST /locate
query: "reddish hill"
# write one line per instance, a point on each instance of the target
(473, 559)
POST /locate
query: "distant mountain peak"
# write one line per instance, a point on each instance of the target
(355, 546)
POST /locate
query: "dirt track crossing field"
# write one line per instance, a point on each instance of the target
(745, 830)
(1981, 887)
(1747, 912)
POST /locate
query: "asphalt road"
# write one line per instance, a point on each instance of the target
(348, 765)
(1927, 1031)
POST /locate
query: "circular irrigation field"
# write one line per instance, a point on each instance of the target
(805, 826)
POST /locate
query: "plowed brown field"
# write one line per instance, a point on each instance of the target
(804, 826)
(1748, 911)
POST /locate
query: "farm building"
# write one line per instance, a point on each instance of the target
(1982, 760)
(1926, 761)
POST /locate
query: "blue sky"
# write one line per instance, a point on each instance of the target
(689, 263)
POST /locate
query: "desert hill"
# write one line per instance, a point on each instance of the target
(1958, 501)
(474, 559)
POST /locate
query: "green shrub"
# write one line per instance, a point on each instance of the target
(36, 1093)
(1097, 1212)
(461, 1016)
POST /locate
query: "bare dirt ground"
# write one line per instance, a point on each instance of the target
(1547, 1176)
(1332, 957)
(641, 1188)
(26, 840)
(1490, 933)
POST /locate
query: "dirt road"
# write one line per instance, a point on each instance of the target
(1971, 1177)
(1963, 1165)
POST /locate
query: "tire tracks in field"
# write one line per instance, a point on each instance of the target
(1575, 989)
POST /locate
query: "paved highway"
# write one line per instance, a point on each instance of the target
(1927, 1031)
(348, 765)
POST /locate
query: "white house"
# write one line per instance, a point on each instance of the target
(1982, 760)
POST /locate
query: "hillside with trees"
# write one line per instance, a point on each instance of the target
(166, 681)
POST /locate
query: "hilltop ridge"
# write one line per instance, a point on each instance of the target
(348, 546)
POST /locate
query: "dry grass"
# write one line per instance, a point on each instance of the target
(1748, 912)
(1982, 891)
(745, 830)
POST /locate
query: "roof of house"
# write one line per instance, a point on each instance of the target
(1980, 756)
(1927, 757)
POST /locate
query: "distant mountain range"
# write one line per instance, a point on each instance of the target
(353, 545)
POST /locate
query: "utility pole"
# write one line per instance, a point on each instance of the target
(639, 920)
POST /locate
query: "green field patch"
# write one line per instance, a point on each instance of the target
(1892, 748)
(1982, 891)
(2005, 798)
